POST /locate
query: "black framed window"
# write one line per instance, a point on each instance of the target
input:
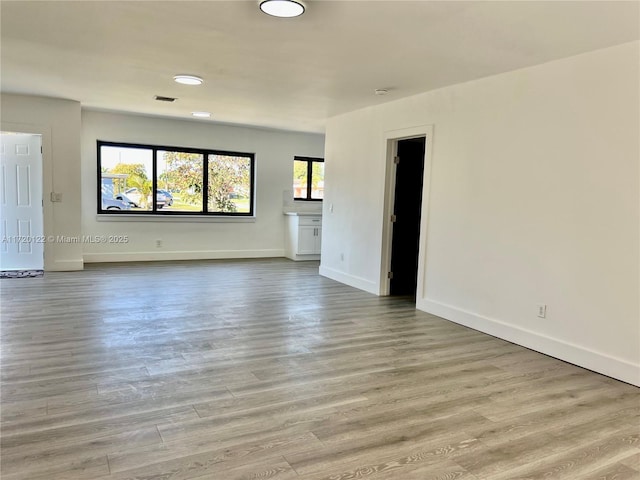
(308, 178)
(151, 179)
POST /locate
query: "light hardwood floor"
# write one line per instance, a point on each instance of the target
(262, 369)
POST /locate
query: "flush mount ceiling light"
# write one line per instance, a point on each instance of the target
(282, 8)
(381, 91)
(201, 114)
(188, 80)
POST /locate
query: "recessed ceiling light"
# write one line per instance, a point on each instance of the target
(381, 91)
(188, 79)
(282, 8)
(201, 114)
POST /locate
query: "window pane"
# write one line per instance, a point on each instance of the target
(317, 180)
(300, 178)
(126, 178)
(127, 181)
(179, 182)
(229, 184)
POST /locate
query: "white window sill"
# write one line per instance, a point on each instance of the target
(173, 218)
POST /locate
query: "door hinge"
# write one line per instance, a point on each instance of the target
(390, 275)
(393, 218)
(396, 160)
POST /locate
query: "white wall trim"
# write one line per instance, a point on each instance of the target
(351, 280)
(180, 255)
(568, 352)
(149, 217)
(65, 266)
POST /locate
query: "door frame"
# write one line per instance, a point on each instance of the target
(391, 139)
(47, 179)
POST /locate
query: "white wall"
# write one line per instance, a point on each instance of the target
(58, 121)
(534, 199)
(274, 151)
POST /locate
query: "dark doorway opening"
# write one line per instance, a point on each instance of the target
(406, 216)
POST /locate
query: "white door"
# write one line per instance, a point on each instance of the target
(21, 216)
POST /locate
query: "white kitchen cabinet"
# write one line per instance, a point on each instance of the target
(303, 236)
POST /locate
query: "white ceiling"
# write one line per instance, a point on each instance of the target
(285, 73)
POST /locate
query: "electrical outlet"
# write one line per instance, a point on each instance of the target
(542, 311)
(158, 243)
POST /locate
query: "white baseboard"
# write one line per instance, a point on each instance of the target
(64, 266)
(351, 280)
(180, 255)
(576, 354)
(303, 258)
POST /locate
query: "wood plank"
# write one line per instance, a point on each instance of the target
(263, 369)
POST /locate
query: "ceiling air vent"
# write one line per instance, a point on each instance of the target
(160, 98)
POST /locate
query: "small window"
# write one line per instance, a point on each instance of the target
(142, 179)
(308, 178)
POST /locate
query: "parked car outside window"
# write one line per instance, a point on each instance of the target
(136, 196)
(114, 204)
(168, 196)
(122, 197)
